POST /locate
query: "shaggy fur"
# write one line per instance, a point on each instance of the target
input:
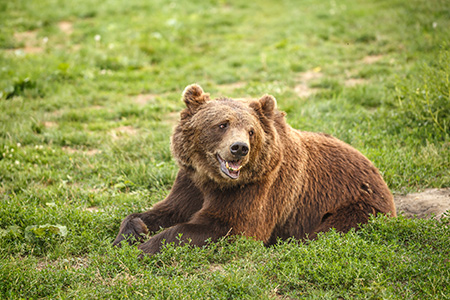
(244, 170)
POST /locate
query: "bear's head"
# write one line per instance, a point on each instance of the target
(231, 142)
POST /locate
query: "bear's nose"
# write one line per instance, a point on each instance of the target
(239, 149)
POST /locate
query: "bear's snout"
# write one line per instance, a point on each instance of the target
(239, 149)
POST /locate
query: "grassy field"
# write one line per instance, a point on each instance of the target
(90, 91)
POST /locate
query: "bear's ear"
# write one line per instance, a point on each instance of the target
(266, 105)
(194, 97)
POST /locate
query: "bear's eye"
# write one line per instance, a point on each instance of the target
(251, 133)
(223, 125)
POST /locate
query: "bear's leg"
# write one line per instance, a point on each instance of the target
(344, 218)
(132, 229)
(182, 202)
(193, 234)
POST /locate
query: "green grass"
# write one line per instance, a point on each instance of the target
(89, 93)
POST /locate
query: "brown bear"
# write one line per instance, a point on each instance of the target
(244, 170)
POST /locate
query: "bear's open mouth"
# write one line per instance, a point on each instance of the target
(230, 168)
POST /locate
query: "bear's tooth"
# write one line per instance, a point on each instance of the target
(226, 164)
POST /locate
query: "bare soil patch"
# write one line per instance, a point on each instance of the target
(303, 90)
(143, 99)
(66, 27)
(29, 40)
(92, 209)
(424, 204)
(26, 36)
(122, 131)
(309, 75)
(370, 59)
(50, 124)
(302, 87)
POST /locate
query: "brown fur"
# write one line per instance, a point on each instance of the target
(290, 184)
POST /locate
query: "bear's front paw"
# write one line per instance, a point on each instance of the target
(133, 230)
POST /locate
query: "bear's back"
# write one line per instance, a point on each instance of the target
(320, 173)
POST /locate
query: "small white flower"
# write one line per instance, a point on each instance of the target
(97, 37)
(156, 35)
(17, 162)
(12, 149)
(45, 40)
(19, 145)
(172, 22)
(19, 52)
(434, 24)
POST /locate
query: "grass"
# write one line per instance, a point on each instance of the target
(89, 94)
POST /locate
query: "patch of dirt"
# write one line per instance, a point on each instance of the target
(302, 86)
(143, 99)
(370, 59)
(92, 209)
(42, 265)
(310, 75)
(424, 204)
(49, 124)
(66, 27)
(304, 91)
(29, 39)
(27, 50)
(118, 132)
(26, 36)
(70, 150)
(92, 152)
(351, 82)
(126, 129)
